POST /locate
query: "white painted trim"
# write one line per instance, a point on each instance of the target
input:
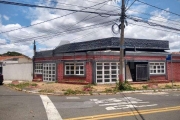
(156, 68)
(51, 111)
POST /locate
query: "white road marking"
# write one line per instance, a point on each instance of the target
(122, 103)
(72, 98)
(51, 111)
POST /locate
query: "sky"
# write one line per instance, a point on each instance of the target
(68, 27)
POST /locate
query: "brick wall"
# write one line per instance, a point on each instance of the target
(63, 78)
(89, 69)
(175, 73)
(89, 72)
(60, 73)
(158, 77)
(38, 77)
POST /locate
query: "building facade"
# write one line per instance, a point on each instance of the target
(97, 61)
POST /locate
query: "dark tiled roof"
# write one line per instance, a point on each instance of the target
(113, 42)
(107, 43)
(44, 53)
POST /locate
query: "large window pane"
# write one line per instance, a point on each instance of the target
(157, 68)
(76, 68)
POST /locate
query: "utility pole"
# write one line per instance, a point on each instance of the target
(121, 65)
(34, 50)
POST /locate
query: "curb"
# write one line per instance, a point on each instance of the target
(103, 93)
(96, 93)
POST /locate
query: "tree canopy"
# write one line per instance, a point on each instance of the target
(13, 53)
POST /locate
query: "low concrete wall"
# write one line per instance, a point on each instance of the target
(18, 71)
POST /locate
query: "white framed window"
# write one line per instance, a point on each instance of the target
(74, 68)
(49, 72)
(107, 72)
(38, 68)
(157, 67)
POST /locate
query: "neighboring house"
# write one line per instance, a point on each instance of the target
(97, 61)
(15, 59)
(16, 67)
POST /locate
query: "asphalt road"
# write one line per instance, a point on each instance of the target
(16, 105)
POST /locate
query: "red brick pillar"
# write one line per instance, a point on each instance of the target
(89, 72)
(60, 70)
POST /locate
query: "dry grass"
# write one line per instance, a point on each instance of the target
(57, 87)
(160, 85)
(62, 87)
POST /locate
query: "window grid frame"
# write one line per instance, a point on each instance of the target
(103, 70)
(153, 66)
(50, 73)
(38, 68)
(74, 65)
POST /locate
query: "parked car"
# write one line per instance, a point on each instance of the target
(1, 79)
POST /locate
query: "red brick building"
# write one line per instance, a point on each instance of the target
(97, 61)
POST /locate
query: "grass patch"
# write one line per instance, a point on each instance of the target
(46, 91)
(168, 86)
(34, 84)
(70, 92)
(20, 85)
(108, 90)
(145, 87)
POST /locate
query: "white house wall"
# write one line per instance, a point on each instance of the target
(18, 71)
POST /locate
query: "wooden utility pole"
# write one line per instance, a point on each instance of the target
(121, 65)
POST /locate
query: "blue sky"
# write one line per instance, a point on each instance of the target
(13, 17)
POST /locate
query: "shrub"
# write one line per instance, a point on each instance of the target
(69, 92)
(145, 87)
(125, 86)
(168, 86)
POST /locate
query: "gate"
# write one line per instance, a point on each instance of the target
(141, 72)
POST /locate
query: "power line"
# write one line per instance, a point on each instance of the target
(152, 24)
(72, 31)
(39, 6)
(158, 8)
(52, 18)
(147, 14)
(82, 19)
(153, 20)
(127, 2)
(153, 28)
(131, 4)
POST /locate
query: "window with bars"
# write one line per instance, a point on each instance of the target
(74, 68)
(38, 68)
(157, 68)
(49, 71)
(107, 72)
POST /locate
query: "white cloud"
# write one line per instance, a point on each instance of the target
(5, 17)
(24, 49)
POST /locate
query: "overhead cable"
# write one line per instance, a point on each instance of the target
(152, 24)
(50, 19)
(158, 8)
(40, 6)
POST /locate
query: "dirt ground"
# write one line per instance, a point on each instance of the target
(63, 87)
